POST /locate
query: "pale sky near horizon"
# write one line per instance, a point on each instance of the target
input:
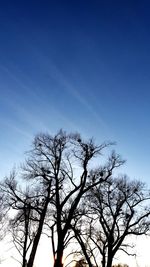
(79, 65)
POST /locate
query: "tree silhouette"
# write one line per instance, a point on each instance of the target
(118, 208)
(58, 177)
(30, 205)
(66, 158)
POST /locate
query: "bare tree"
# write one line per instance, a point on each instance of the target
(18, 206)
(28, 207)
(66, 161)
(118, 208)
(3, 220)
(59, 171)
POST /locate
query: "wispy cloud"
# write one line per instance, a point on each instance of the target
(55, 72)
(38, 117)
(42, 113)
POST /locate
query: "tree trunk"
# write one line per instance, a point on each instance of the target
(26, 212)
(38, 235)
(34, 248)
(109, 261)
(24, 264)
(103, 261)
(58, 260)
(81, 243)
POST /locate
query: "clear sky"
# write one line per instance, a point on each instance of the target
(79, 65)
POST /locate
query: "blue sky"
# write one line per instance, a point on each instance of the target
(78, 65)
